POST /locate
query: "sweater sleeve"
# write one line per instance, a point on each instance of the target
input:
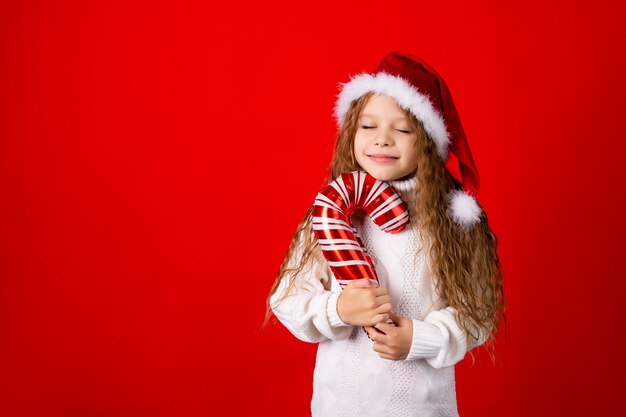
(440, 340)
(309, 310)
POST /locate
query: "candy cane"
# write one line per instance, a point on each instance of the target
(339, 240)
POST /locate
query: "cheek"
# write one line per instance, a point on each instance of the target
(358, 146)
(358, 155)
(413, 159)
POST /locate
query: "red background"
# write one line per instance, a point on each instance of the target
(156, 158)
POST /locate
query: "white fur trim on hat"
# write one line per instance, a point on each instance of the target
(464, 209)
(405, 95)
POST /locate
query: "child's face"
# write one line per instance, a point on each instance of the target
(384, 142)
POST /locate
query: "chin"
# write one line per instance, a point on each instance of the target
(389, 176)
(381, 176)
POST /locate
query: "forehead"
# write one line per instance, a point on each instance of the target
(379, 105)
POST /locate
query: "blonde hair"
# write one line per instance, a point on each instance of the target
(464, 261)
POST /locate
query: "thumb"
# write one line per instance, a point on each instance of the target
(394, 317)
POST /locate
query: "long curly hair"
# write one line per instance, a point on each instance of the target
(464, 260)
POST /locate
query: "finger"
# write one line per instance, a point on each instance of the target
(380, 291)
(381, 336)
(383, 299)
(380, 348)
(383, 309)
(384, 327)
(379, 318)
(394, 317)
(385, 356)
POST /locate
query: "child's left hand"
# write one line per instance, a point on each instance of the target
(392, 342)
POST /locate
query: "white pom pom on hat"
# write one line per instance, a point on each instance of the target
(464, 209)
(418, 88)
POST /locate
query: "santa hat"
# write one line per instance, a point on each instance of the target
(418, 88)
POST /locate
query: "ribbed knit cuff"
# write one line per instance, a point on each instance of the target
(331, 310)
(427, 340)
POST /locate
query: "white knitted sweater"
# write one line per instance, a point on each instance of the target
(350, 378)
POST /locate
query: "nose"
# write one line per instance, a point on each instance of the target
(383, 140)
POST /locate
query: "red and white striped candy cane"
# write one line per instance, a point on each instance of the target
(339, 240)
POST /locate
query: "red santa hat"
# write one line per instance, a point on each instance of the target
(418, 88)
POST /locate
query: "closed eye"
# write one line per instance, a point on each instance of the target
(367, 127)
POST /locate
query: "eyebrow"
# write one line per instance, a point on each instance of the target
(374, 116)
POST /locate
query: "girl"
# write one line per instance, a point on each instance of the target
(440, 278)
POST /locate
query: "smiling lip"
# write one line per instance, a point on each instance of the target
(382, 158)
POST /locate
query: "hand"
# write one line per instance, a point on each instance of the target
(392, 342)
(363, 304)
